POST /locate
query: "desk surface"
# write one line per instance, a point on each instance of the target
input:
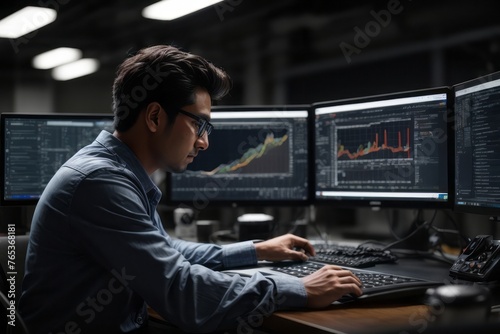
(348, 319)
(395, 315)
(405, 315)
(402, 315)
(340, 319)
(378, 319)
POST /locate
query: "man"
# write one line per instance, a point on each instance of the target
(98, 253)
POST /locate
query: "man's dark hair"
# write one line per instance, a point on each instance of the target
(166, 75)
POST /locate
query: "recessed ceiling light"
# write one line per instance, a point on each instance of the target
(172, 9)
(56, 57)
(75, 69)
(25, 21)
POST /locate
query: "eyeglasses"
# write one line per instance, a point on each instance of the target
(203, 124)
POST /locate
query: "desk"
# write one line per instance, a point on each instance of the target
(367, 318)
(396, 316)
(379, 318)
(374, 319)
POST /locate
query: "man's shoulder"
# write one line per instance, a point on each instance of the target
(89, 161)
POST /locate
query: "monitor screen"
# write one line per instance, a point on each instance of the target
(386, 150)
(34, 146)
(477, 145)
(257, 156)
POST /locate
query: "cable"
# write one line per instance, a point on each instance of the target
(430, 226)
(413, 223)
(424, 225)
(312, 221)
(374, 242)
(303, 214)
(322, 235)
(459, 234)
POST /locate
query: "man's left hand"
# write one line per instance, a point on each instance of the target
(285, 247)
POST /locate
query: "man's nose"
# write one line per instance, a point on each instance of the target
(203, 141)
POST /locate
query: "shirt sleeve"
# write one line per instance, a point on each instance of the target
(217, 257)
(115, 227)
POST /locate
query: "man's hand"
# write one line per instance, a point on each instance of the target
(329, 284)
(285, 247)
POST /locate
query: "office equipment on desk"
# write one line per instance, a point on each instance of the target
(352, 256)
(254, 226)
(185, 223)
(477, 187)
(477, 184)
(477, 147)
(459, 304)
(479, 262)
(257, 156)
(384, 151)
(34, 146)
(376, 284)
(205, 229)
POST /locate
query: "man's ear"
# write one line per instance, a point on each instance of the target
(152, 116)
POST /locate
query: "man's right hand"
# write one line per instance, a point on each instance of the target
(329, 284)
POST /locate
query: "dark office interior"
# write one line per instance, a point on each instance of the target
(281, 52)
(277, 53)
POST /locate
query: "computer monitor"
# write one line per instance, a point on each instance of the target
(384, 151)
(477, 145)
(34, 146)
(258, 155)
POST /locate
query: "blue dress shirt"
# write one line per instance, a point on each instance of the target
(98, 254)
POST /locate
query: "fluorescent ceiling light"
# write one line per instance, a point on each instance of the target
(75, 69)
(56, 57)
(25, 21)
(172, 9)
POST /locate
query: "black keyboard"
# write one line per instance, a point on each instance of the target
(375, 284)
(352, 256)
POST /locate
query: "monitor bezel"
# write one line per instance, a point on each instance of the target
(218, 202)
(6, 115)
(351, 202)
(468, 208)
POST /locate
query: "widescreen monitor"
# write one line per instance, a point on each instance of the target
(257, 155)
(34, 146)
(384, 151)
(477, 145)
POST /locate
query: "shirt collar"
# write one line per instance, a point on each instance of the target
(120, 149)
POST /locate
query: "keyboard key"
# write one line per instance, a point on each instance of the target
(351, 256)
(373, 283)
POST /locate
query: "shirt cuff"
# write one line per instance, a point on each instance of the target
(291, 292)
(239, 254)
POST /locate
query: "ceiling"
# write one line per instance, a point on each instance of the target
(286, 38)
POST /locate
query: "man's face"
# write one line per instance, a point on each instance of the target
(181, 142)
